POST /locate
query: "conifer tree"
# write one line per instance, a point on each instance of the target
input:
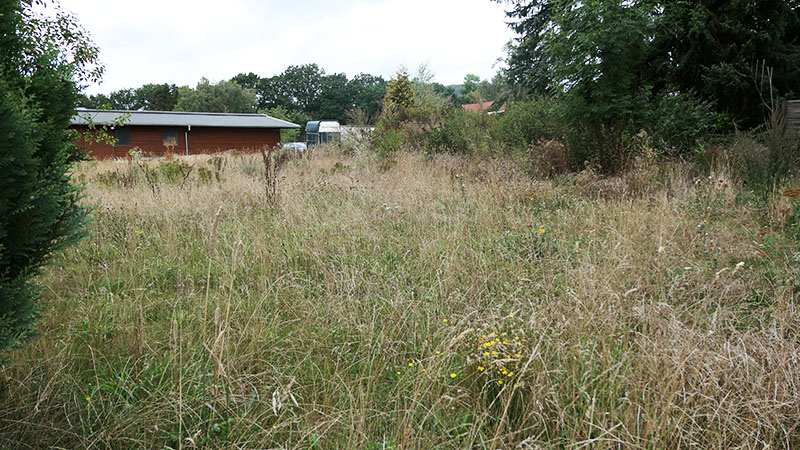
(39, 209)
(399, 91)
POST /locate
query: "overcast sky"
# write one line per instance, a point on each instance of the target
(179, 41)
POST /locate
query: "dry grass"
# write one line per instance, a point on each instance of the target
(356, 312)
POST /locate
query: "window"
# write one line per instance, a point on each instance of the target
(123, 136)
(169, 138)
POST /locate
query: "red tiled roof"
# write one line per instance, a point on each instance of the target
(477, 106)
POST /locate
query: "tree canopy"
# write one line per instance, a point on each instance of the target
(310, 91)
(224, 97)
(302, 91)
(708, 48)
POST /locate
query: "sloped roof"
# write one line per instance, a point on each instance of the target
(477, 106)
(179, 119)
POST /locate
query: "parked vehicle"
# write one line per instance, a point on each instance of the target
(298, 148)
(323, 132)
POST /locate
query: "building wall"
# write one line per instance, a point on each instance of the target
(201, 140)
(792, 115)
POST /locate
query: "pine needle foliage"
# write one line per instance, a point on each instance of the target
(39, 210)
(399, 91)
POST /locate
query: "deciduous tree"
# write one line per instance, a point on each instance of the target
(224, 97)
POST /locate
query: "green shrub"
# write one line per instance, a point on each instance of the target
(173, 172)
(681, 124)
(463, 132)
(526, 123)
(389, 142)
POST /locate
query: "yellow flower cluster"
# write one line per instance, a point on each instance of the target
(499, 356)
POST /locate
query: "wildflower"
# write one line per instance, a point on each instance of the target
(481, 368)
(411, 364)
(494, 353)
(541, 230)
(438, 352)
(516, 338)
(518, 355)
(500, 382)
(485, 353)
(398, 372)
(453, 375)
(510, 374)
(444, 320)
(274, 427)
(505, 342)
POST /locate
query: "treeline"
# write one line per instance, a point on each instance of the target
(299, 94)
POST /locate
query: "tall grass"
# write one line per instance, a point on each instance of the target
(446, 302)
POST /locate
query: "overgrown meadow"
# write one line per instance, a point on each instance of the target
(414, 302)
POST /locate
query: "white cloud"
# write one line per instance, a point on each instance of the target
(157, 41)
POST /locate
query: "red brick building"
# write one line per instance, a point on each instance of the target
(157, 133)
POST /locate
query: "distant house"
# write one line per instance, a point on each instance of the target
(483, 106)
(184, 133)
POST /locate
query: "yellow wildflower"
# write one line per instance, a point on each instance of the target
(453, 375)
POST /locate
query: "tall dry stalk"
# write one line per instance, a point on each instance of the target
(273, 160)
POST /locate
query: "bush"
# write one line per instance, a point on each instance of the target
(761, 158)
(526, 123)
(463, 132)
(680, 124)
(389, 142)
(676, 125)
